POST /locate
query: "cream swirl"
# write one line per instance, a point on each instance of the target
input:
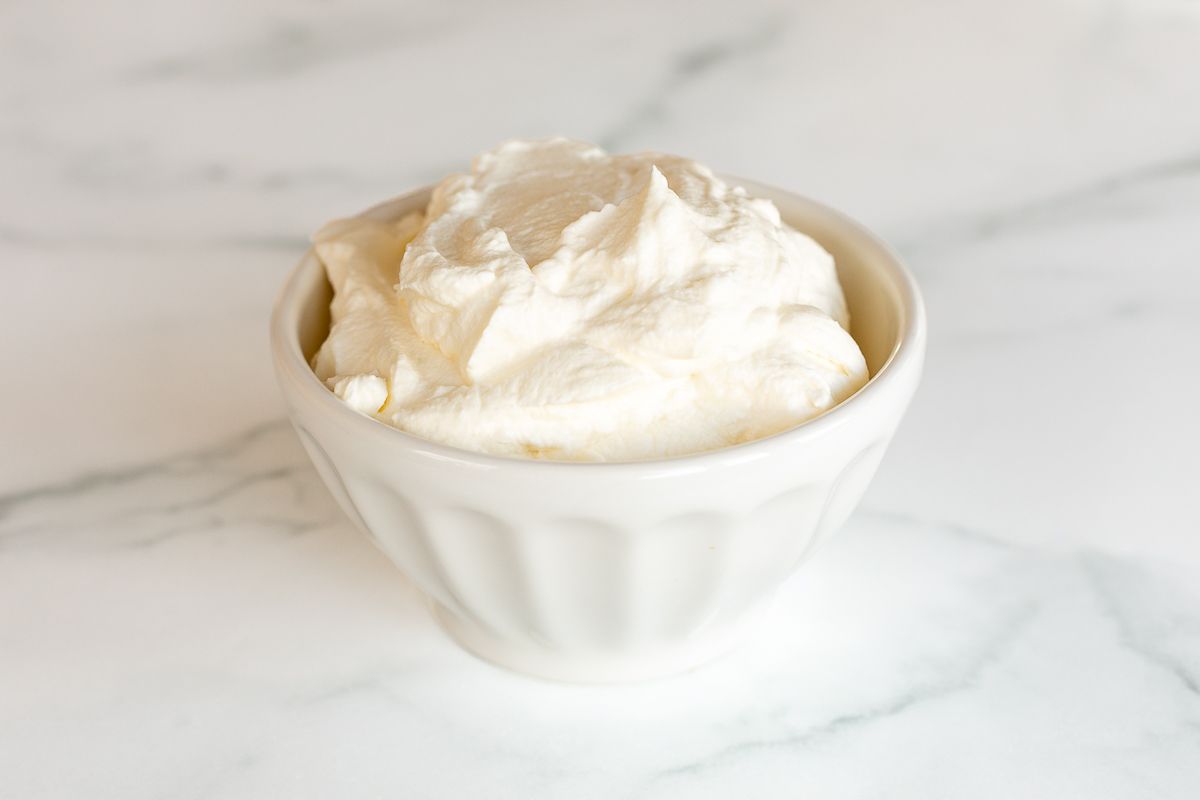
(560, 302)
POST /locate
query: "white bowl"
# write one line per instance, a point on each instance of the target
(610, 571)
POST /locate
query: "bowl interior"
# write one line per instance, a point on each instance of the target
(877, 290)
(313, 321)
(872, 279)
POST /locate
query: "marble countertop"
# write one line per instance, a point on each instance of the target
(1014, 611)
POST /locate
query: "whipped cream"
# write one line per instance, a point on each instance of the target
(559, 302)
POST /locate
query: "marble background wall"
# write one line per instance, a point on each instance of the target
(1013, 612)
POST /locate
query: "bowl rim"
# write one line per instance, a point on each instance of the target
(907, 354)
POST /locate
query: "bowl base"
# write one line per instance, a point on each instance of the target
(570, 666)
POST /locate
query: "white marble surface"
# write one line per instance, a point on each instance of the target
(1014, 612)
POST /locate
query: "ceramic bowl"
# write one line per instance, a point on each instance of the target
(600, 572)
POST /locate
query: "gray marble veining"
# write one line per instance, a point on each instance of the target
(1014, 612)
